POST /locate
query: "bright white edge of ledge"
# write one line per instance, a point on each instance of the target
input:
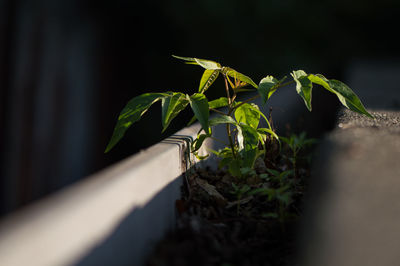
(72, 225)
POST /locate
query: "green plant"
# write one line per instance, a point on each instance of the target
(296, 143)
(245, 139)
(239, 191)
(282, 196)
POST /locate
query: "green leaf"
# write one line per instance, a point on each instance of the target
(189, 59)
(196, 145)
(199, 104)
(199, 157)
(132, 113)
(267, 87)
(234, 167)
(207, 64)
(320, 80)
(248, 114)
(345, 95)
(208, 78)
(238, 76)
(266, 131)
(226, 160)
(222, 119)
(218, 103)
(171, 107)
(248, 142)
(303, 86)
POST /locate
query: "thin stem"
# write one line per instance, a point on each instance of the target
(217, 111)
(228, 128)
(258, 95)
(228, 131)
(220, 141)
(245, 101)
(286, 83)
(227, 92)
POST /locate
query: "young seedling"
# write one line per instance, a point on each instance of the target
(281, 196)
(241, 118)
(296, 143)
(239, 191)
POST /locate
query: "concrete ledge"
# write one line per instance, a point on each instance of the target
(355, 208)
(116, 206)
(353, 212)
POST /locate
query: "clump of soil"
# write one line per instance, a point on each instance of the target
(219, 226)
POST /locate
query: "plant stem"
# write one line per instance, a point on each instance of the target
(228, 131)
(217, 111)
(220, 141)
(258, 95)
(228, 127)
(246, 101)
(286, 83)
(227, 93)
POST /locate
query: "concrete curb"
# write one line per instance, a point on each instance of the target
(353, 212)
(104, 219)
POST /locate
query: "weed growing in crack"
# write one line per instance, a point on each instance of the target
(241, 119)
(246, 141)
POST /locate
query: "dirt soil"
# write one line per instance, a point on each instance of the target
(219, 227)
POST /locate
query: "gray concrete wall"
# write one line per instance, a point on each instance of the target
(110, 218)
(353, 212)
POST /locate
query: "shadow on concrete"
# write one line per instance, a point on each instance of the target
(137, 232)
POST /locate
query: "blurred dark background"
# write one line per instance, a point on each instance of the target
(68, 67)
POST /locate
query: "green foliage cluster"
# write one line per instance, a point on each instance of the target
(279, 188)
(246, 140)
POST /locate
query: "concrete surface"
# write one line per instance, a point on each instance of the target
(110, 218)
(353, 209)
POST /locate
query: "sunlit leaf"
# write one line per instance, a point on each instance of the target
(208, 78)
(218, 103)
(171, 106)
(266, 131)
(303, 86)
(201, 157)
(248, 114)
(345, 95)
(250, 138)
(238, 76)
(199, 141)
(207, 64)
(199, 104)
(189, 59)
(320, 80)
(267, 87)
(214, 104)
(222, 119)
(132, 113)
